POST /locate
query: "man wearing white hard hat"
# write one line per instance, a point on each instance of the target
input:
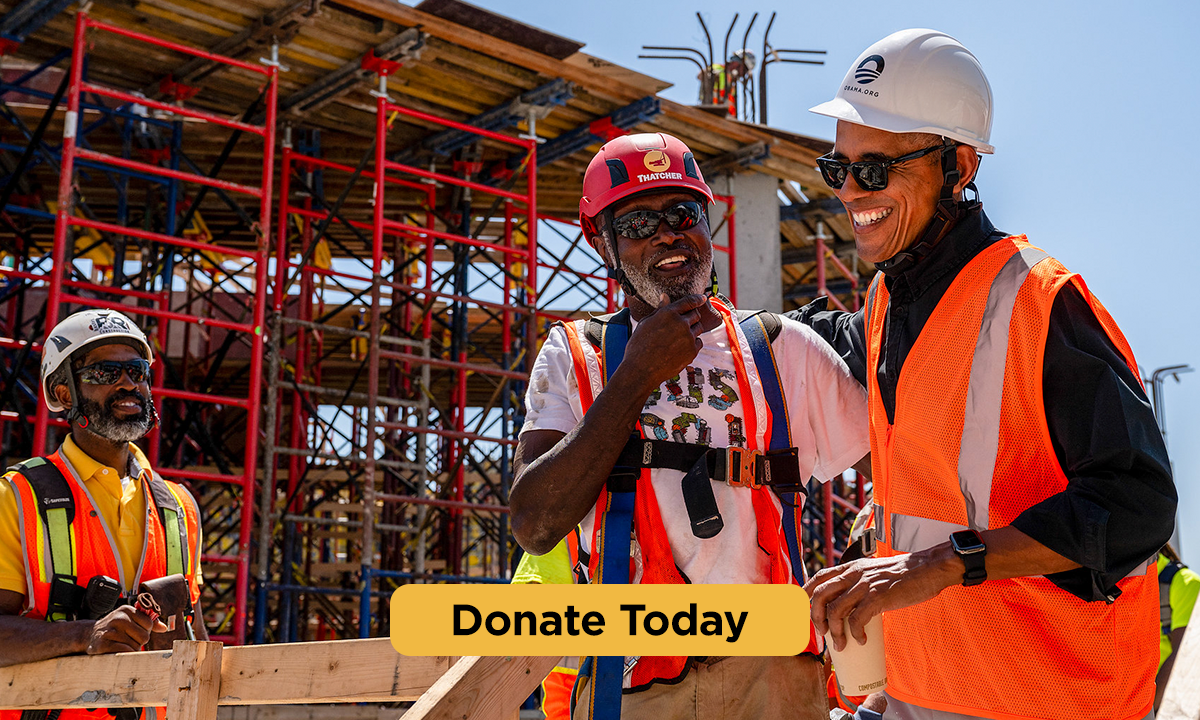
(83, 529)
(1021, 485)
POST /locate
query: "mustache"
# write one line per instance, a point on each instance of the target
(678, 250)
(122, 395)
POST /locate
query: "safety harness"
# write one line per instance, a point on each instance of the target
(776, 468)
(56, 506)
(1165, 576)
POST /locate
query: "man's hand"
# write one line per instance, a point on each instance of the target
(558, 477)
(669, 338)
(122, 630)
(865, 588)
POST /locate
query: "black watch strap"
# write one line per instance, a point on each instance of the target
(969, 546)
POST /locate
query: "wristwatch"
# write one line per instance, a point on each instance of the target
(969, 546)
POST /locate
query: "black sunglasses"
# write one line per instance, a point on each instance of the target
(642, 224)
(870, 175)
(108, 372)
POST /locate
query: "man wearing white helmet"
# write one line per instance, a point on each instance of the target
(82, 529)
(1021, 485)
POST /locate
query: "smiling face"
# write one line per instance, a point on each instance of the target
(889, 221)
(120, 412)
(675, 262)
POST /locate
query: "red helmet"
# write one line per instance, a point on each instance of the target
(632, 164)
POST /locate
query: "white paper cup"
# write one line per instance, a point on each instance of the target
(861, 669)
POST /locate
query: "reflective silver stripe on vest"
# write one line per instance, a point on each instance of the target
(871, 293)
(981, 414)
(910, 533)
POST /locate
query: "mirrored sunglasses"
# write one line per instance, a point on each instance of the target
(642, 224)
(108, 372)
(871, 175)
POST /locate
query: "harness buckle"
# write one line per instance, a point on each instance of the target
(741, 467)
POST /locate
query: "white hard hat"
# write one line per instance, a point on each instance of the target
(747, 57)
(917, 81)
(82, 330)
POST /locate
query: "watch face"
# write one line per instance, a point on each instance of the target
(967, 541)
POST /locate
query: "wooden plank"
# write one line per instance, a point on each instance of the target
(482, 687)
(121, 680)
(606, 87)
(334, 671)
(1181, 700)
(195, 680)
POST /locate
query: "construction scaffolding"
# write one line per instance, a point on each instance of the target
(98, 234)
(342, 390)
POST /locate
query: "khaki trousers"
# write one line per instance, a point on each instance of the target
(733, 688)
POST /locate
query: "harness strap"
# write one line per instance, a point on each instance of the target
(733, 465)
(614, 534)
(56, 505)
(1165, 576)
(758, 337)
(174, 528)
(702, 465)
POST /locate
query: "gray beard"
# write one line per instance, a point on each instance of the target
(694, 283)
(102, 422)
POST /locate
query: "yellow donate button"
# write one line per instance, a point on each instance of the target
(698, 620)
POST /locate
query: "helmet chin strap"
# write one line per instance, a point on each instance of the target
(75, 414)
(945, 216)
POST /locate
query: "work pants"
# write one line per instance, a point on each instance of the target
(733, 688)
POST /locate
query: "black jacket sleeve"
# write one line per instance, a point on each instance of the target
(1119, 505)
(844, 331)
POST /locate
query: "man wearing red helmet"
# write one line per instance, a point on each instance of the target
(730, 411)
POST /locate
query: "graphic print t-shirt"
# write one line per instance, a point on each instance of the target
(703, 405)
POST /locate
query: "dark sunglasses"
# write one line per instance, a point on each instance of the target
(642, 224)
(870, 175)
(108, 372)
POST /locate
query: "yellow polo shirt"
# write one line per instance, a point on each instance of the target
(123, 509)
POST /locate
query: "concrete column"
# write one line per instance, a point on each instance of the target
(757, 248)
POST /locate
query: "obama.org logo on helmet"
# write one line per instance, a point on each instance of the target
(866, 75)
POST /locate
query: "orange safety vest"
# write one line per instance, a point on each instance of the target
(93, 550)
(970, 448)
(658, 564)
(556, 690)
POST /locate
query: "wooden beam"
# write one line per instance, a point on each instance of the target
(483, 687)
(739, 160)
(403, 47)
(599, 84)
(195, 680)
(1181, 699)
(334, 671)
(802, 255)
(123, 680)
(827, 206)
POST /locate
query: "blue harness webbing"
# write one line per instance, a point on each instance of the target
(615, 525)
(781, 432)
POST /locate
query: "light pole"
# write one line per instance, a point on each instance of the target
(1160, 414)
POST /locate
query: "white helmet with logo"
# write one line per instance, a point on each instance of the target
(917, 81)
(82, 330)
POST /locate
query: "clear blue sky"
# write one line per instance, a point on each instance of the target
(1097, 135)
